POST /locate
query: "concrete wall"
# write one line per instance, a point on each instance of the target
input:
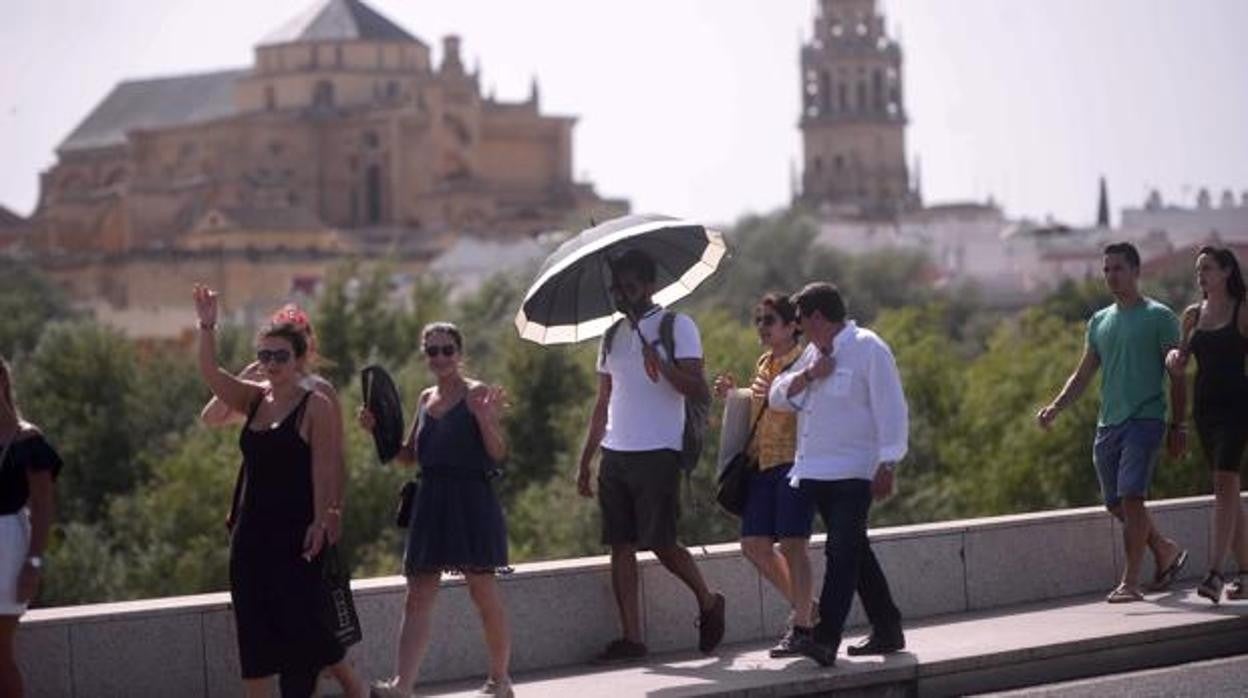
(562, 612)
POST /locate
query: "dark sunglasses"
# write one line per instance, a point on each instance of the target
(765, 320)
(276, 356)
(446, 350)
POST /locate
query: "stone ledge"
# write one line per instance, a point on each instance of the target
(951, 655)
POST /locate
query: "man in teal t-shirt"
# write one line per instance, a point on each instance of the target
(1129, 340)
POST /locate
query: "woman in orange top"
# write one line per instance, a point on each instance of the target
(774, 510)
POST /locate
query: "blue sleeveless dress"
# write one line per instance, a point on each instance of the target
(457, 523)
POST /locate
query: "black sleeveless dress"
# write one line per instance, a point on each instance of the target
(276, 593)
(457, 521)
(1220, 407)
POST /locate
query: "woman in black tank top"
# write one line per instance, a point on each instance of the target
(284, 507)
(1215, 331)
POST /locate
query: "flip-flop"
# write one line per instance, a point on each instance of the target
(1167, 576)
(1124, 595)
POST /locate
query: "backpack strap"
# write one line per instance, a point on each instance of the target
(608, 337)
(667, 334)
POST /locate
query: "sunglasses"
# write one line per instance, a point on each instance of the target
(765, 320)
(276, 356)
(446, 350)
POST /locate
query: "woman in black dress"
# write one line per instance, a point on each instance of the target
(283, 513)
(28, 467)
(457, 523)
(1215, 331)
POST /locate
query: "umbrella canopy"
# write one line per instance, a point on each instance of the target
(571, 299)
(382, 399)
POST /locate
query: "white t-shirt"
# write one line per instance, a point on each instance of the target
(644, 415)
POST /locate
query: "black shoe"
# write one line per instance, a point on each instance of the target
(783, 648)
(711, 625)
(621, 651)
(878, 643)
(1211, 587)
(804, 643)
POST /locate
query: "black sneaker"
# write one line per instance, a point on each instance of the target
(711, 625)
(621, 651)
(878, 643)
(804, 643)
(783, 648)
(1211, 587)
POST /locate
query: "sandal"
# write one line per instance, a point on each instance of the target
(1237, 590)
(1166, 577)
(1122, 594)
(1211, 587)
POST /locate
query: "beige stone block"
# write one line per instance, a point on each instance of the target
(669, 609)
(43, 657)
(1033, 559)
(156, 655)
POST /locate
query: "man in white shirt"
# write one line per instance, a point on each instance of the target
(852, 427)
(638, 422)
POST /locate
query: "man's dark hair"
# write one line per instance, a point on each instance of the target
(821, 296)
(1127, 250)
(636, 261)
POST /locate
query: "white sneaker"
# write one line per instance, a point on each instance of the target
(501, 688)
(387, 689)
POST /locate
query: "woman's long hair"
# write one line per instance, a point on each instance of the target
(1226, 260)
(10, 403)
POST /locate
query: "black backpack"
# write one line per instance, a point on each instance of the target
(697, 409)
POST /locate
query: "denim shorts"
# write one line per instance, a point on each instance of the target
(1125, 456)
(774, 508)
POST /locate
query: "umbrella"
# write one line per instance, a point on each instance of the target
(382, 399)
(571, 301)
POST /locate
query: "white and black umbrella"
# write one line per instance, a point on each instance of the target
(571, 299)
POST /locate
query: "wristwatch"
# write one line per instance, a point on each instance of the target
(35, 561)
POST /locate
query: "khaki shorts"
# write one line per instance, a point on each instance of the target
(639, 493)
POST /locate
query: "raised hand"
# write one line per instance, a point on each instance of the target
(366, 420)
(652, 361)
(724, 384)
(487, 402)
(205, 304)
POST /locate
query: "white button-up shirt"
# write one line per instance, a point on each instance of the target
(852, 420)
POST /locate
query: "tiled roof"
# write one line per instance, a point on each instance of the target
(338, 20)
(156, 103)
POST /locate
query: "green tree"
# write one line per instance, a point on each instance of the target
(76, 385)
(28, 302)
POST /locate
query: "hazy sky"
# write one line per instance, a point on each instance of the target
(689, 107)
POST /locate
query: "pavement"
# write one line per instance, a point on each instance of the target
(1033, 645)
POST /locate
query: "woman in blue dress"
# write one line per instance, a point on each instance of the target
(457, 522)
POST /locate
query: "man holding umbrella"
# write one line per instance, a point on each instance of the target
(638, 423)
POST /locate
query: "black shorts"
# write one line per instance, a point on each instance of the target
(639, 493)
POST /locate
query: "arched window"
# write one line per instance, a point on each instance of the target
(825, 91)
(372, 194)
(323, 96)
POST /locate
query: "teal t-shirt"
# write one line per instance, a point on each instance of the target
(1132, 344)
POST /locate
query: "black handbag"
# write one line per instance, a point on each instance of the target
(732, 489)
(407, 495)
(337, 604)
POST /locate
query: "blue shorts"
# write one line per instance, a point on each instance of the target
(1125, 456)
(773, 508)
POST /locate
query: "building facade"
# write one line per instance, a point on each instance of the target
(342, 122)
(853, 118)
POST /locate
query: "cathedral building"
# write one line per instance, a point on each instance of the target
(853, 118)
(342, 131)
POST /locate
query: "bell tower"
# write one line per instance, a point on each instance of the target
(853, 119)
